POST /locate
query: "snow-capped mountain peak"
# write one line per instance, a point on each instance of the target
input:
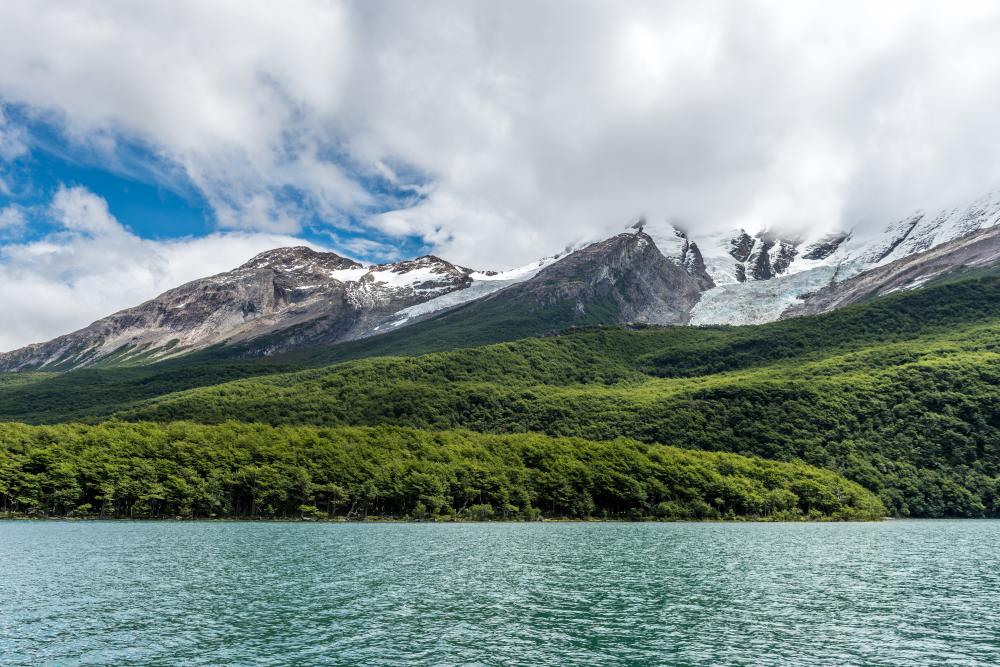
(289, 297)
(804, 267)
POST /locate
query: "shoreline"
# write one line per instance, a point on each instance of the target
(397, 520)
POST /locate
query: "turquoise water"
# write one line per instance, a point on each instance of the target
(106, 593)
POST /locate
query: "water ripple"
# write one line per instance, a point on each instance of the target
(903, 592)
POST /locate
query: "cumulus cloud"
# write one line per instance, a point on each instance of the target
(12, 146)
(91, 266)
(12, 222)
(526, 125)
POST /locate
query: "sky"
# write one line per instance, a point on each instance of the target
(146, 144)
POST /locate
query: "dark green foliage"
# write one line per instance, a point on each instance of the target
(22, 379)
(241, 470)
(94, 392)
(911, 431)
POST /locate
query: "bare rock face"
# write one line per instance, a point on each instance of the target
(740, 246)
(761, 257)
(826, 246)
(782, 253)
(323, 296)
(692, 261)
(976, 250)
(622, 280)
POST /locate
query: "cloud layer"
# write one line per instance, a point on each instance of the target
(498, 132)
(528, 122)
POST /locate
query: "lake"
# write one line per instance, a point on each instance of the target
(190, 593)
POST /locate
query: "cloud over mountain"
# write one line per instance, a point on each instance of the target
(493, 131)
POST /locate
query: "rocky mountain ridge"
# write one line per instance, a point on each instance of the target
(655, 273)
(275, 290)
(797, 268)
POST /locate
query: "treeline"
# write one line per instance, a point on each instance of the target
(234, 470)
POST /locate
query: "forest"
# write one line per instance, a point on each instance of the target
(915, 422)
(234, 470)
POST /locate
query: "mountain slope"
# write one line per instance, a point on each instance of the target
(974, 251)
(899, 394)
(325, 297)
(660, 351)
(760, 276)
(622, 280)
(295, 298)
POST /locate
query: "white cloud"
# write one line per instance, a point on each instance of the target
(536, 122)
(92, 266)
(12, 221)
(79, 210)
(12, 146)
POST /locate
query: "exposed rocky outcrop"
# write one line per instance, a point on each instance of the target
(825, 246)
(740, 246)
(976, 250)
(624, 279)
(689, 257)
(761, 257)
(781, 255)
(325, 297)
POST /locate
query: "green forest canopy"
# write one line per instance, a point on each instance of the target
(242, 470)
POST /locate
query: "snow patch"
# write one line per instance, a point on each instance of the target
(482, 285)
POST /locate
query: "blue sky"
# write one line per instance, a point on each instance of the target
(155, 199)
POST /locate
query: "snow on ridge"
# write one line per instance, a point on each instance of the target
(668, 239)
(410, 278)
(348, 275)
(754, 302)
(482, 285)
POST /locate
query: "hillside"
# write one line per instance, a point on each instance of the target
(900, 394)
(93, 393)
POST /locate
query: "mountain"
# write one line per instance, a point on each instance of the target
(621, 280)
(759, 277)
(624, 279)
(295, 298)
(899, 394)
(324, 297)
(967, 253)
